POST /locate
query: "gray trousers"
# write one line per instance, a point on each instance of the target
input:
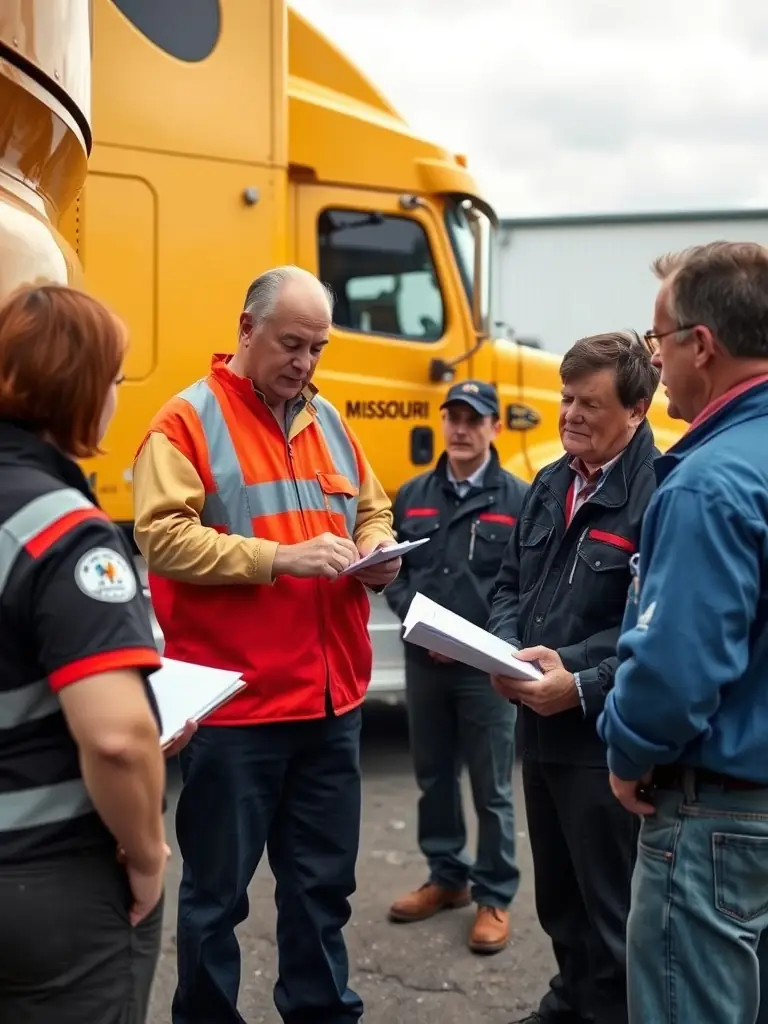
(456, 718)
(68, 953)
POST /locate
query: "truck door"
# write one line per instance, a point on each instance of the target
(395, 311)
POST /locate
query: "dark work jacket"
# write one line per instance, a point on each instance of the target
(567, 588)
(468, 537)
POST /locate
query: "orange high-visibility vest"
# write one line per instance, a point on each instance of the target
(300, 643)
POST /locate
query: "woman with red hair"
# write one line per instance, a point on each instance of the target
(82, 842)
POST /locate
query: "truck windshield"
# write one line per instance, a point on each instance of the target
(471, 235)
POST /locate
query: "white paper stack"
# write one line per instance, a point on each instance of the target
(186, 692)
(429, 625)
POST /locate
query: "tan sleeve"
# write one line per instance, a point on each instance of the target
(374, 510)
(168, 498)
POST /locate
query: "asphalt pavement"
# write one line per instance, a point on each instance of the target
(407, 974)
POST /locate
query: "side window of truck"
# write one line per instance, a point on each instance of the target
(186, 29)
(382, 274)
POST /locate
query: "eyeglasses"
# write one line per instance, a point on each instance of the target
(652, 338)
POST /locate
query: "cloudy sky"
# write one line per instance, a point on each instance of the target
(577, 106)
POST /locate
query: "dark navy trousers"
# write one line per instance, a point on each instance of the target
(294, 788)
(456, 718)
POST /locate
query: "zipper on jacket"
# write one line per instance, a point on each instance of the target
(472, 537)
(576, 559)
(292, 469)
(327, 696)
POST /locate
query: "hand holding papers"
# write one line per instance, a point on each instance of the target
(382, 555)
(176, 745)
(186, 692)
(430, 625)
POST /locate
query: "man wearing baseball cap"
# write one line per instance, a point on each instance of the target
(467, 505)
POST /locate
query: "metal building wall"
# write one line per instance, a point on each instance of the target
(558, 279)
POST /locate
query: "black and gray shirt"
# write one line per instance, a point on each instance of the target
(71, 606)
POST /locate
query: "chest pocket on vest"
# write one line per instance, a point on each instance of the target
(533, 553)
(488, 541)
(340, 497)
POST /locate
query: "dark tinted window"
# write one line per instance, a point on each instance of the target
(187, 29)
(382, 274)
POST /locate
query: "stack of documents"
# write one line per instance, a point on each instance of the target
(430, 625)
(186, 692)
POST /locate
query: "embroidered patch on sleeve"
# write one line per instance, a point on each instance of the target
(105, 575)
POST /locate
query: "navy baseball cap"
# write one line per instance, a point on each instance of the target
(477, 395)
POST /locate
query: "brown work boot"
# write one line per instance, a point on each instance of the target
(427, 901)
(490, 932)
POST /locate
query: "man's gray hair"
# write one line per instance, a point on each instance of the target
(263, 293)
(722, 286)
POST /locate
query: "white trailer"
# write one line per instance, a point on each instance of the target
(560, 278)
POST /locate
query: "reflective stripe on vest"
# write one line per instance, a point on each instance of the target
(235, 504)
(228, 505)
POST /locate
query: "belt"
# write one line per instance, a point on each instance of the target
(672, 776)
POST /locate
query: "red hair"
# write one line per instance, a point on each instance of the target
(60, 352)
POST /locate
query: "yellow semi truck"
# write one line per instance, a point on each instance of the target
(226, 138)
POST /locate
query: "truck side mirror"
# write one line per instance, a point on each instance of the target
(441, 372)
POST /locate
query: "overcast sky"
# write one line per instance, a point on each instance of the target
(574, 106)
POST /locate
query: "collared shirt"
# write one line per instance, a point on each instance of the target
(463, 487)
(292, 408)
(585, 484)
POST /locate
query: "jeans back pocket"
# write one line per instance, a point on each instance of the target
(740, 871)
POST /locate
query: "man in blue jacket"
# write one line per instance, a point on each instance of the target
(686, 723)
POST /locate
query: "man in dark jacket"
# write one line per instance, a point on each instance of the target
(561, 595)
(467, 506)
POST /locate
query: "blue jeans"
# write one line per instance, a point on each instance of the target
(455, 717)
(698, 925)
(293, 787)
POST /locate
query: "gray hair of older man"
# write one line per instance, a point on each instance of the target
(264, 293)
(722, 286)
(621, 351)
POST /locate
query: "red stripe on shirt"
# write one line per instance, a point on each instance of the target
(104, 661)
(39, 544)
(614, 539)
(497, 517)
(570, 501)
(411, 512)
